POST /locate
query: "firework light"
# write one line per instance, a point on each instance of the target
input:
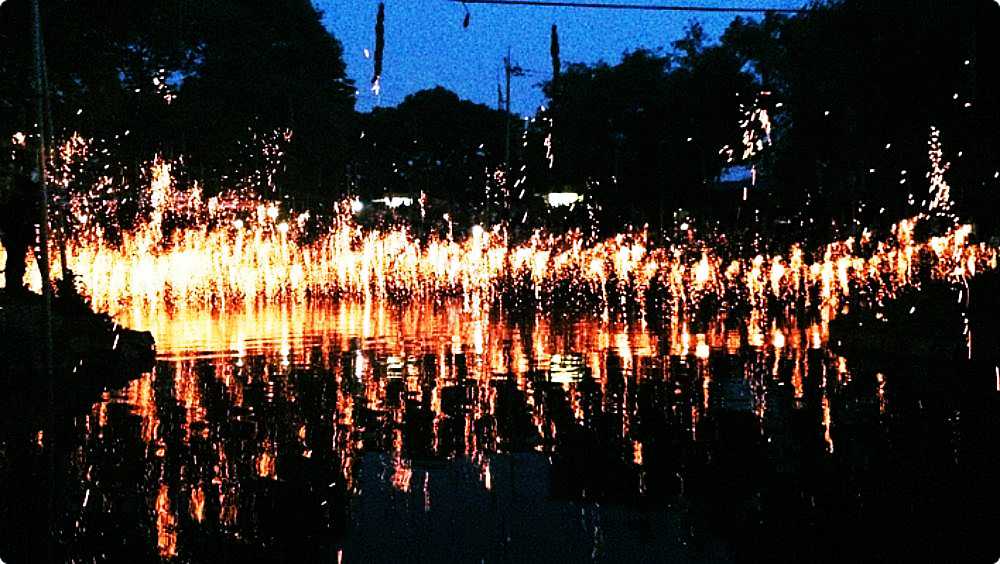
(237, 250)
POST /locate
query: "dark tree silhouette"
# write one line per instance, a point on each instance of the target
(862, 82)
(186, 78)
(855, 86)
(432, 142)
(648, 130)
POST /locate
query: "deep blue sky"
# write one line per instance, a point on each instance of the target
(425, 44)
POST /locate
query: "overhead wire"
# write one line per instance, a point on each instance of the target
(643, 7)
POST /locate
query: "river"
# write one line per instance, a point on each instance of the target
(367, 433)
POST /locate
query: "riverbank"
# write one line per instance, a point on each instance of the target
(940, 320)
(90, 353)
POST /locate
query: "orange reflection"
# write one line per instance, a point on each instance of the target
(166, 523)
(429, 382)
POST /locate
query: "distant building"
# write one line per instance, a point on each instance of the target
(740, 180)
(394, 201)
(736, 176)
(563, 199)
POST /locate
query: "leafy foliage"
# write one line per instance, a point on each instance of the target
(432, 142)
(186, 77)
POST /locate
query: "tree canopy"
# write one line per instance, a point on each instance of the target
(649, 128)
(852, 88)
(187, 78)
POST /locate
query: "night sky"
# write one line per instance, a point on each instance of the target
(427, 46)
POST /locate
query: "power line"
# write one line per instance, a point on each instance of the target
(644, 7)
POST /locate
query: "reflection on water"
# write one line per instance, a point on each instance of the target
(367, 433)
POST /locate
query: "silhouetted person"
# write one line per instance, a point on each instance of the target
(19, 201)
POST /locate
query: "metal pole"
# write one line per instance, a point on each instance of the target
(60, 217)
(506, 154)
(43, 263)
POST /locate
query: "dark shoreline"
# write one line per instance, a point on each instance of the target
(91, 353)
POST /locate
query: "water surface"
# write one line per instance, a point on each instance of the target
(371, 433)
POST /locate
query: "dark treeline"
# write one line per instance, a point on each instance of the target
(432, 143)
(642, 137)
(852, 89)
(186, 78)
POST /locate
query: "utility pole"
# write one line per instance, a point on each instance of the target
(509, 71)
(499, 95)
(506, 152)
